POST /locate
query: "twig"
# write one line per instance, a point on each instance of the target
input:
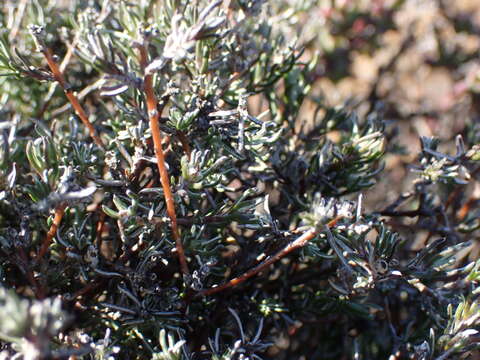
(421, 210)
(85, 290)
(82, 94)
(23, 265)
(59, 212)
(406, 213)
(153, 114)
(38, 34)
(296, 244)
(63, 65)
(456, 193)
(100, 228)
(71, 96)
(184, 140)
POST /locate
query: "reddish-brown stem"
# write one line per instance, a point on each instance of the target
(57, 219)
(183, 139)
(85, 290)
(100, 227)
(47, 52)
(39, 291)
(466, 208)
(296, 244)
(455, 194)
(62, 66)
(153, 115)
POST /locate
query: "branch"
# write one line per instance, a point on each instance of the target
(153, 114)
(407, 213)
(184, 140)
(24, 266)
(296, 244)
(38, 34)
(59, 212)
(71, 96)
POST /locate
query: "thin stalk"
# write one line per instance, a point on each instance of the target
(153, 114)
(184, 140)
(38, 35)
(57, 219)
(296, 244)
(38, 289)
(86, 289)
(100, 227)
(47, 52)
(53, 86)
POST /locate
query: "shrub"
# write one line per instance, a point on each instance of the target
(162, 198)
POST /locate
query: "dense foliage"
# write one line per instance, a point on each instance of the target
(161, 197)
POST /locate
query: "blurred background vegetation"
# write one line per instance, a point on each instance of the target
(416, 62)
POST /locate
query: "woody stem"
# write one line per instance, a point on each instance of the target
(153, 115)
(47, 52)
